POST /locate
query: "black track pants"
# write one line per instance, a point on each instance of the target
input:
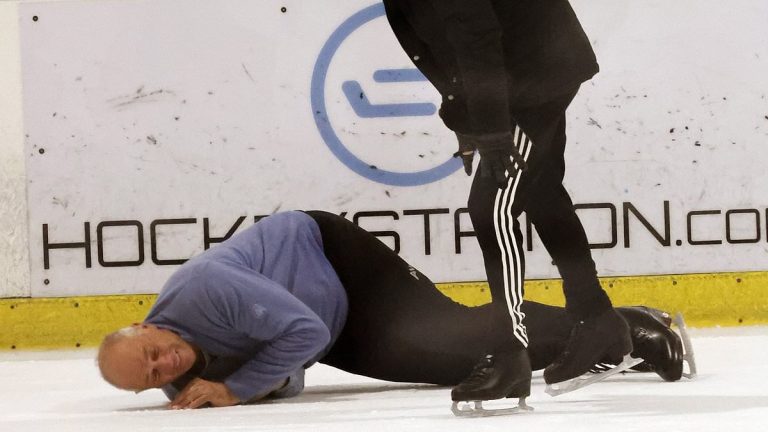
(401, 328)
(540, 138)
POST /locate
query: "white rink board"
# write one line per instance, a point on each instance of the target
(187, 111)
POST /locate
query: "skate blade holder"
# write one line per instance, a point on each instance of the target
(568, 386)
(688, 356)
(475, 409)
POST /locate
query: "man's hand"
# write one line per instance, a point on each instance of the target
(466, 151)
(199, 392)
(496, 154)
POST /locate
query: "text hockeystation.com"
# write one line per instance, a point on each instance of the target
(700, 227)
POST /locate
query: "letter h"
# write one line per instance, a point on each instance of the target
(47, 246)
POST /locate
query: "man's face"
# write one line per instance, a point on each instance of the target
(150, 358)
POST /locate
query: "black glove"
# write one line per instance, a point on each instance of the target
(496, 154)
(466, 151)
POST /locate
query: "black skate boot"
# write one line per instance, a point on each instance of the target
(592, 341)
(504, 375)
(655, 342)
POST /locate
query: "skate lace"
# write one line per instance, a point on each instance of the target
(574, 340)
(481, 371)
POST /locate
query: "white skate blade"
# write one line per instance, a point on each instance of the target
(687, 346)
(477, 410)
(568, 386)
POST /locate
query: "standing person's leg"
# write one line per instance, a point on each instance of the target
(552, 212)
(506, 369)
(599, 331)
(498, 233)
(495, 213)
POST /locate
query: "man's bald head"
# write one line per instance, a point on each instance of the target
(144, 356)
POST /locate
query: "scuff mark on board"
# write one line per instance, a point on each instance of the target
(140, 96)
(248, 74)
(60, 202)
(345, 199)
(593, 122)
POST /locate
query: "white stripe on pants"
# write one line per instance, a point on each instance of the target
(508, 246)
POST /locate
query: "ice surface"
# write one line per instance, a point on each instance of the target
(62, 391)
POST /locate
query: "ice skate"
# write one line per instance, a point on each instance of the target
(663, 351)
(592, 340)
(504, 375)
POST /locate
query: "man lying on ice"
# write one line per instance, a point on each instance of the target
(243, 320)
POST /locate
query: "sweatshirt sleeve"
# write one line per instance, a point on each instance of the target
(416, 50)
(474, 32)
(286, 333)
(292, 388)
(453, 110)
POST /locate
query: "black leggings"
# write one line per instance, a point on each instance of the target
(401, 328)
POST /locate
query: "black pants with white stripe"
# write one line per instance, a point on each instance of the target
(539, 191)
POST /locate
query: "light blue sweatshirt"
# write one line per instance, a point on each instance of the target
(267, 295)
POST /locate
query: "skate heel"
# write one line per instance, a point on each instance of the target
(521, 389)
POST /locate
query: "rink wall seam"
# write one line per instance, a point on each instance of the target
(706, 300)
(14, 239)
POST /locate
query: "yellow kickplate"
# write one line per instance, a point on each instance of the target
(722, 299)
(69, 322)
(706, 300)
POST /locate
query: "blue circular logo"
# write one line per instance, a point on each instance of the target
(325, 127)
